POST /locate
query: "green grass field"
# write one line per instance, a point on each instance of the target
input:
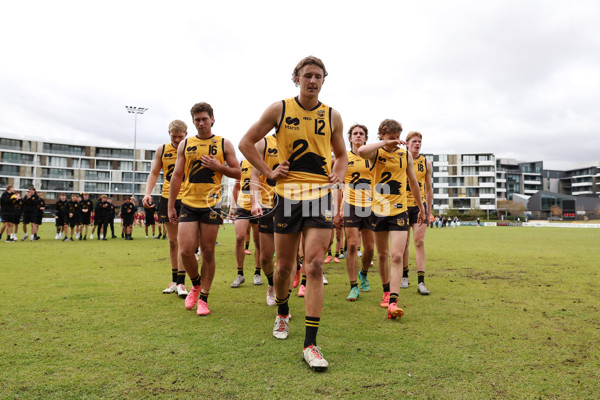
(513, 314)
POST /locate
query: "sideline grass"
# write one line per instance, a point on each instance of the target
(513, 314)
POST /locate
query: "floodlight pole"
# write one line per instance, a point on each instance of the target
(135, 111)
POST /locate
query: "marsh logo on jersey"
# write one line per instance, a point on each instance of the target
(292, 123)
(398, 205)
(321, 113)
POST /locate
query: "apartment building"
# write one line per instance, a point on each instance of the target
(464, 181)
(519, 177)
(55, 167)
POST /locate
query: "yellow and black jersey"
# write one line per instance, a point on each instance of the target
(271, 158)
(244, 200)
(357, 183)
(203, 185)
(420, 164)
(168, 159)
(389, 182)
(304, 139)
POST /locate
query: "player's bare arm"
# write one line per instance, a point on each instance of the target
(267, 121)
(429, 187)
(414, 187)
(152, 176)
(338, 171)
(254, 183)
(175, 185)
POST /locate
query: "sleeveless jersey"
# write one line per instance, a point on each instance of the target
(389, 182)
(304, 139)
(203, 185)
(244, 199)
(357, 183)
(271, 158)
(420, 164)
(168, 159)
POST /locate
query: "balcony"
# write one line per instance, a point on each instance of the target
(580, 184)
(581, 192)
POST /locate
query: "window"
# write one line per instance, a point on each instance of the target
(469, 159)
(63, 149)
(17, 158)
(96, 187)
(97, 175)
(85, 163)
(103, 164)
(57, 185)
(10, 170)
(25, 183)
(114, 153)
(57, 173)
(469, 170)
(10, 144)
(125, 165)
(57, 161)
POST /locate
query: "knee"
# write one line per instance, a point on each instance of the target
(420, 243)
(396, 258)
(313, 268)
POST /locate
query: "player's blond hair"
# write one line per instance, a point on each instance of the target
(412, 134)
(178, 126)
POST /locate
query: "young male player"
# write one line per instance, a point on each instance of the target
(164, 159)
(392, 169)
(203, 159)
(357, 212)
(423, 172)
(307, 132)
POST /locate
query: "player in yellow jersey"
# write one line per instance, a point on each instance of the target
(423, 172)
(357, 212)
(263, 190)
(307, 132)
(392, 169)
(203, 160)
(241, 211)
(164, 159)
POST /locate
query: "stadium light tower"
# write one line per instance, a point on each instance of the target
(135, 111)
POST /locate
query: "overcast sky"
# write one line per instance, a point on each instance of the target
(520, 79)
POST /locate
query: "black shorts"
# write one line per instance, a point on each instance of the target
(357, 217)
(203, 215)
(150, 220)
(29, 218)
(127, 220)
(242, 213)
(265, 222)
(413, 214)
(390, 223)
(15, 219)
(163, 209)
(85, 218)
(5, 217)
(39, 218)
(291, 216)
(60, 220)
(72, 222)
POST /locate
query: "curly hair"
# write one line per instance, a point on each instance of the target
(200, 107)
(389, 126)
(310, 60)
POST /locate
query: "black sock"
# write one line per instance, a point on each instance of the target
(364, 273)
(421, 276)
(241, 271)
(353, 284)
(247, 244)
(283, 307)
(329, 253)
(270, 278)
(180, 277)
(386, 287)
(204, 296)
(195, 281)
(337, 254)
(257, 271)
(312, 327)
(393, 298)
(405, 272)
(174, 275)
(303, 280)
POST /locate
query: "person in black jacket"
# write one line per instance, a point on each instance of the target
(6, 211)
(60, 216)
